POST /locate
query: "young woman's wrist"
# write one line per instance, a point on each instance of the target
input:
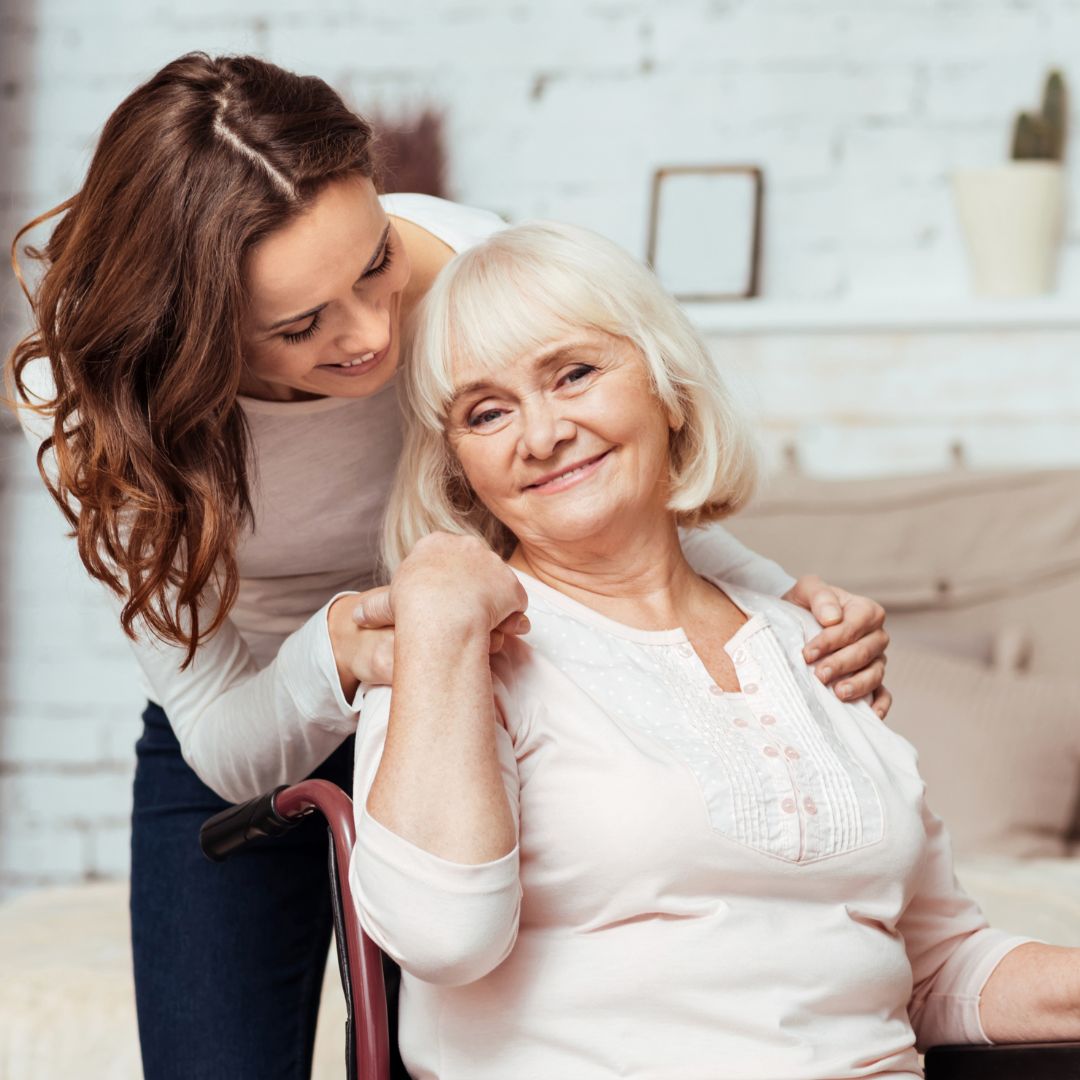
(344, 636)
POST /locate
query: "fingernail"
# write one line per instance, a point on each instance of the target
(812, 654)
(844, 690)
(825, 674)
(523, 624)
(831, 613)
(358, 613)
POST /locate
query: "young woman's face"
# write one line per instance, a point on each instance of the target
(566, 443)
(324, 308)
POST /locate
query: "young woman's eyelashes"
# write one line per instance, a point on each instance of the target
(384, 262)
(303, 335)
(490, 415)
(310, 330)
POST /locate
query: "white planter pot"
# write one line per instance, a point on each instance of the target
(1013, 219)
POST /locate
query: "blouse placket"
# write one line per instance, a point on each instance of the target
(835, 802)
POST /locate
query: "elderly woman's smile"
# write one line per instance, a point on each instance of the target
(565, 442)
(561, 479)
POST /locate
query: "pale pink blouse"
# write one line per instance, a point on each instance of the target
(705, 885)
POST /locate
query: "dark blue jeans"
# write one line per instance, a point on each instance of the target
(229, 957)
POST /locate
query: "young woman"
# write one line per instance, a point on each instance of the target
(216, 331)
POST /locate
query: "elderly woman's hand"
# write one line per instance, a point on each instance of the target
(849, 653)
(373, 616)
(457, 582)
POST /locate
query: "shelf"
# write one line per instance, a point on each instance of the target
(758, 317)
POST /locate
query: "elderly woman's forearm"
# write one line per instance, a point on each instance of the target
(1033, 995)
(439, 784)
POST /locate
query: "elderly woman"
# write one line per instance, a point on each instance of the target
(642, 840)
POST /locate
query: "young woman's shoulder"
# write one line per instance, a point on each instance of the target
(457, 226)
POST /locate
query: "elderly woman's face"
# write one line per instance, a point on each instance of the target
(563, 443)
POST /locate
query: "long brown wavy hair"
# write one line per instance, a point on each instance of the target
(138, 316)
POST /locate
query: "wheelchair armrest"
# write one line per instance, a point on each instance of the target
(1019, 1061)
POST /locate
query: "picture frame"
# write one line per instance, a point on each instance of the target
(705, 230)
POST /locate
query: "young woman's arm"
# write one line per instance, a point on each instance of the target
(244, 730)
(711, 549)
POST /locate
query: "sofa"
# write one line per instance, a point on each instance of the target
(981, 577)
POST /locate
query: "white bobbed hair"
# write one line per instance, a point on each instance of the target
(519, 291)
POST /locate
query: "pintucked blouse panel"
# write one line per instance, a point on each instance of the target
(774, 775)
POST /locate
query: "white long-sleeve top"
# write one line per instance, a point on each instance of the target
(747, 885)
(262, 704)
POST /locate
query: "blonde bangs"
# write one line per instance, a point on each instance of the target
(503, 301)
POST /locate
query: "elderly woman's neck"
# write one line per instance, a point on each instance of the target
(643, 581)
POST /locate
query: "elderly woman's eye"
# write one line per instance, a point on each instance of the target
(488, 416)
(578, 373)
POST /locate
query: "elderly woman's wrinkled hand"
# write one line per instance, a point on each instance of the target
(374, 618)
(457, 584)
(849, 653)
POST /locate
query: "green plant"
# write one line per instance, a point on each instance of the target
(1041, 136)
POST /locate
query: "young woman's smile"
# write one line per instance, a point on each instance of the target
(325, 299)
(360, 365)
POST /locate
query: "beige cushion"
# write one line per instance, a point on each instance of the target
(1000, 752)
(980, 565)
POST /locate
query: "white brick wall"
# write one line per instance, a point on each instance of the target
(865, 402)
(858, 111)
(69, 708)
